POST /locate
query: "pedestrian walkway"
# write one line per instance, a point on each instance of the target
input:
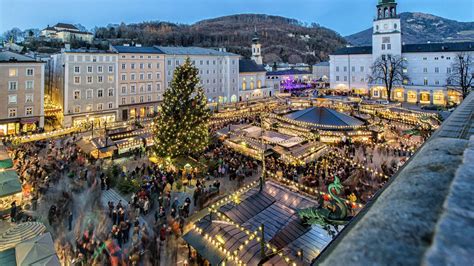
(115, 197)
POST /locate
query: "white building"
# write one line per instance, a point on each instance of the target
(85, 86)
(428, 65)
(252, 81)
(141, 78)
(321, 71)
(218, 70)
(66, 33)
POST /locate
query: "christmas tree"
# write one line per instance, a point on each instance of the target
(181, 128)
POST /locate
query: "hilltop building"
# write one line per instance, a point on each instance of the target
(66, 33)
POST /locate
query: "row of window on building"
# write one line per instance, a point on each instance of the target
(13, 85)
(139, 99)
(13, 112)
(133, 88)
(13, 98)
(141, 76)
(90, 79)
(88, 58)
(13, 72)
(90, 92)
(140, 65)
(90, 69)
(201, 62)
(89, 107)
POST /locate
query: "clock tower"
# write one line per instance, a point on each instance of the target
(387, 35)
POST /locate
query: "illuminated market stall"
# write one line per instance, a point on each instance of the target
(252, 141)
(331, 126)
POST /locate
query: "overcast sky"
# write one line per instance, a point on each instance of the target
(344, 16)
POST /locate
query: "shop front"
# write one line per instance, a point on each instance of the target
(412, 97)
(99, 120)
(398, 95)
(439, 98)
(454, 97)
(425, 97)
(379, 92)
(9, 128)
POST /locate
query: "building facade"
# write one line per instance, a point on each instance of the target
(141, 80)
(321, 71)
(252, 81)
(85, 85)
(218, 70)
(66, 33)
(428, 65)
(21, 93)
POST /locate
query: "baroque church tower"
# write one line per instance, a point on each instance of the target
(387, 35)
(256, 49)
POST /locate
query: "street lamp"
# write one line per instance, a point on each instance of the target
(262, 177)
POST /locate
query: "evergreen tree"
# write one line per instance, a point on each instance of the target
(181, 128)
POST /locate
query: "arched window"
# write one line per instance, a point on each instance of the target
(392, 12)
(252, 85)
(386, 12)
(380, 13)
(244, 85)
(259, 84)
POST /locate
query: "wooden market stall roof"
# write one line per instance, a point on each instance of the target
(275, 207)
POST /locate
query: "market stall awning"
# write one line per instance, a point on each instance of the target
(197, 241)
(9, 183)
(5, 160)
(7, 257)
(37, 251)
(20, 233)
(6, 163)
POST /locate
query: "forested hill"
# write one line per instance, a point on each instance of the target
(282, 39)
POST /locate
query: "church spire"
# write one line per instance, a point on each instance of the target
(387, 9)
(256, 48)
(255, 38)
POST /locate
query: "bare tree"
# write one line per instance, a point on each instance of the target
(462, 73)
(388, 70)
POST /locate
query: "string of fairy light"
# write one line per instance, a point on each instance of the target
(217, 243)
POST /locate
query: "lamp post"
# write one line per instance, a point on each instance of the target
(262, 177)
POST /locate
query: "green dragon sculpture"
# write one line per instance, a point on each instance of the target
(324, 216)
